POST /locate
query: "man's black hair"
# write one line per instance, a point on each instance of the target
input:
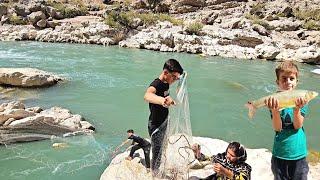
(239, 151)
(130, 131)
(173, 65)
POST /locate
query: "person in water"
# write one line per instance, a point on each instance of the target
(137, 143)
(157, 94)
(290, 144)
(231, 165)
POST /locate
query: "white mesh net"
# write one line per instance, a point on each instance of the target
(176, 151)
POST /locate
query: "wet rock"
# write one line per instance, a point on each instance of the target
(27, 77)
(19, 125)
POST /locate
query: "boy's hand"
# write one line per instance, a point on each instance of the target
(272, 103)
(300, 102)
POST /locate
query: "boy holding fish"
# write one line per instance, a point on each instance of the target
(288, 108)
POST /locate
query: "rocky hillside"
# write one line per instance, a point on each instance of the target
(246, 29)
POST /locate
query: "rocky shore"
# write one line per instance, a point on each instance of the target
(259, 159)
(21, 124)
(27, 77)
(273, 30)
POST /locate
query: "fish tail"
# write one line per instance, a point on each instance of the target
(252, 109)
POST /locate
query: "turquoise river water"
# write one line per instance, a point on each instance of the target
(106, 85)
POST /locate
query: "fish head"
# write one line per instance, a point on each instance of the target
(311, 94)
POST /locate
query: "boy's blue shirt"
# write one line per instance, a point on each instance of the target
(290, 143)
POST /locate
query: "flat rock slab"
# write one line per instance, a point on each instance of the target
(27, 77)
(21, 124)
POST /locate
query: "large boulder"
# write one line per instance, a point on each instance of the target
(258, 159)
(285, 25)
(36, 16)
(3, 10)
(27, 77)
(21, 10)
(309, 54)
(18, 124)
(243, 41)
(267, 52)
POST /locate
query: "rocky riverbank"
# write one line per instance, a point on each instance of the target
(274, 30)
(259, 159)
(21, 124)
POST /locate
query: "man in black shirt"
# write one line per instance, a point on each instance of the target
(137, 143)
(157, 94)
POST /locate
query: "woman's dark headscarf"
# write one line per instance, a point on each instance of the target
(239, 151)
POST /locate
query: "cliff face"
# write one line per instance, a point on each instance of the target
(272, 30)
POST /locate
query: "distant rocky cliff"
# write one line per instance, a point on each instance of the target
(272, 30)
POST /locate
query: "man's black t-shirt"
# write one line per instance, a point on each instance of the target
(158, 113)
(142, 142)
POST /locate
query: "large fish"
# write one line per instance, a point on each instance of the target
(286, 100)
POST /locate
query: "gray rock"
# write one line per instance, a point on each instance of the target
(21, 10)
(267, 52)
(36, 16)
(194, 3)
(3, 10)
(14, 113)
(34, 7)
(285, 25)
(8, 122)
(11, 105)
(136, 22)
(309, 54)
(42, 23)
(35, 109)
(210, 18)
(27, 77)
(21, 125)
(139, 4)
(261, 30)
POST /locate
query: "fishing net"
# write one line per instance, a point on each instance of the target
(73, 158)
(176, 153)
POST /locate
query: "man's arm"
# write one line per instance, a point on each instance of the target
(122, 144)
(151, 97)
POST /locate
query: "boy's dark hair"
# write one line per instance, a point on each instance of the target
(239, 151)
(173, 65)
(287, 66)
(130, 131)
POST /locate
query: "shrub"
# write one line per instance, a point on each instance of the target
(17, 20)
(313, 14)
(74, 8)
(256, 20)
(311, 25)
(167, 17)
(257, 8)
(119, 36)
(194, 28)
(125, 19)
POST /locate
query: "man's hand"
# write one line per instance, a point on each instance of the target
(300, 102)
(272, 103)
(169, 101)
